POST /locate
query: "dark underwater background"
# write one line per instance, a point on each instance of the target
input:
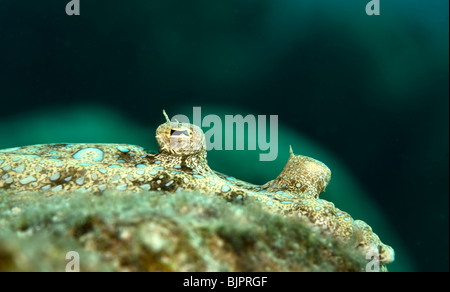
(367, 95)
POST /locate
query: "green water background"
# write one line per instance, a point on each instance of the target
(366, 95)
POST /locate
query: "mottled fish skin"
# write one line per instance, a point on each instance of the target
(181, 165)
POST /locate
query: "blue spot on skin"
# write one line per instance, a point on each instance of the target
(153, 172)
(115, 166)
(280, 192)
(169, 183)
(54, 152)
(339, 213)
(347, 219)
(85, 164)
(31, 155)
(140, 166)
(305, 202)
(121, 161)
(317, 208)
(319, 201)
(269, 203)
(225, 188)
(212, 183)
(286, 202)
(198, 176)
(54, 159)
(44, 188)
(122, 149)
(69, 145)
(93, 154)
(157, 162)
(11, 149)
(175, 172)
(159, 167)
(231, 178)
(177, 166)
(287, 196)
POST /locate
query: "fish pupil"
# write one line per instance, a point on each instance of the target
(179, 133)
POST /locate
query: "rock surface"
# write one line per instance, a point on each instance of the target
(150, 231)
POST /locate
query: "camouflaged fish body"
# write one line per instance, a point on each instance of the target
(181, 165)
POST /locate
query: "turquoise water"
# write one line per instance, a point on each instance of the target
(366, 95)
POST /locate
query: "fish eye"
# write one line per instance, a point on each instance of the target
(180, 138)
(179, 133)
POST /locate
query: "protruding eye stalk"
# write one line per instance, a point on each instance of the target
(180, 138)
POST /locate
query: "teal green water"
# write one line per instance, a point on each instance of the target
(366, 95)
